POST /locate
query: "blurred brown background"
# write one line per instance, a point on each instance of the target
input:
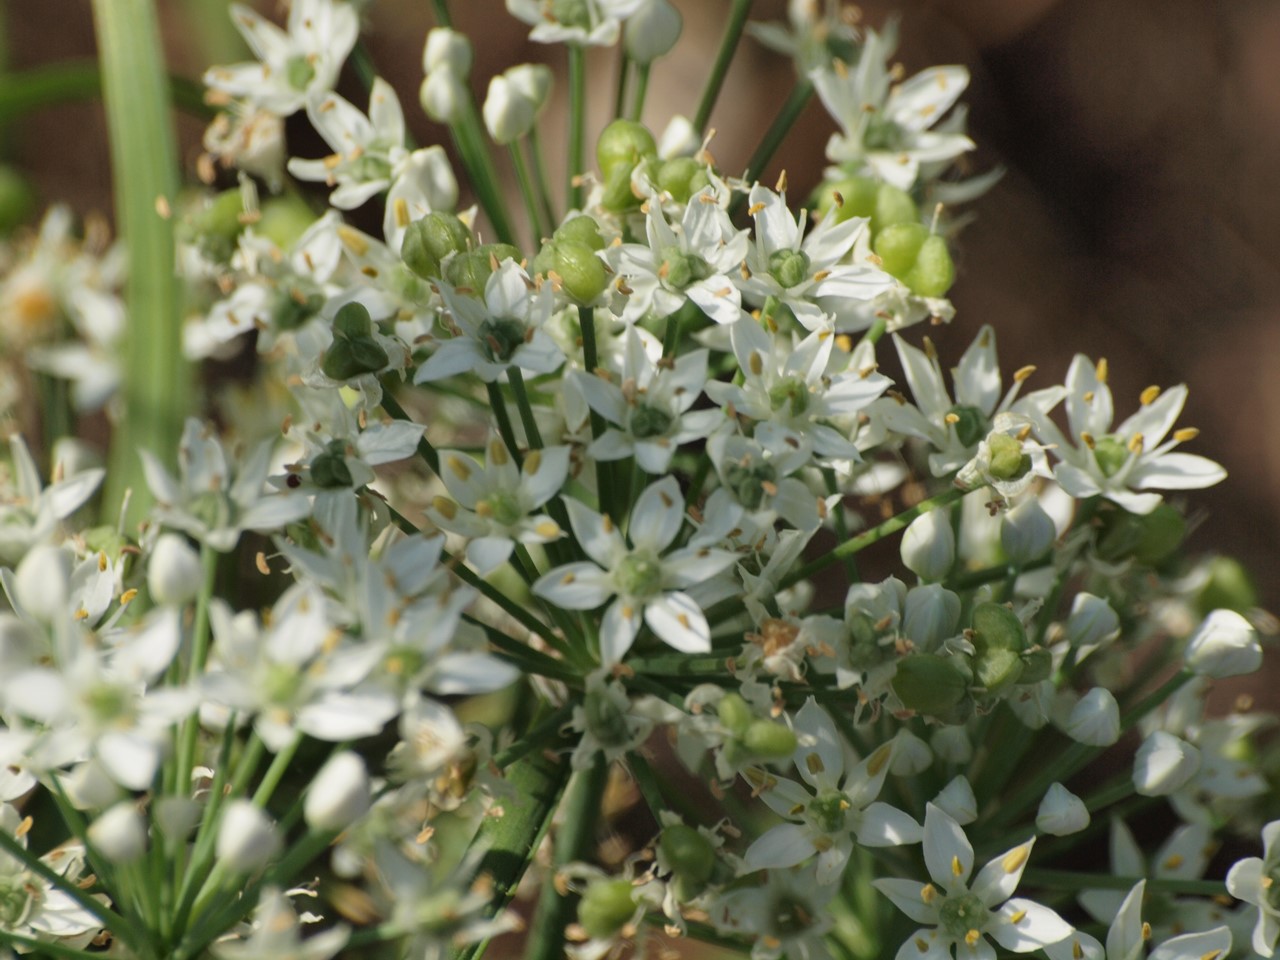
(1139, 216)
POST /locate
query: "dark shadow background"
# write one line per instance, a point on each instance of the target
(1139, 216)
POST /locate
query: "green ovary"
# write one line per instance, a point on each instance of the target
(960, 914)
(638, 575)
(502, 507)
(647, 421)
(792, 394)
(499, 339)
(1111, 455)
(789, 267)
(683, 269)
(828, 812)
(299, 72)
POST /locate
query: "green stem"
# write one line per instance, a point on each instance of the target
(531, 432)
(441, 10)
(1076, 880)
(728, 46)
(548, 729)
(577, 124)
(540, 178)
(26, 90)
(156, 382)
(874, 535)
(537, 229)
(624, 73)
(425, 450)
(190, 731)
(502, 416)
(574, 841)
(591, 360)
(49, 948)
(777, 132)
(642, 90)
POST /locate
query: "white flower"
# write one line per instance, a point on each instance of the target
(514, 100)
(1134, 456)
(1027, 531)
(213, 500)
(339, 793)
(841, 806)
(640, 578)
(808, 274)
(788, 914)
(494, 505)
(247, 837)
(277, 935)
(120, 833)
(302, 62)
(1091, 622)
(1127, 938)
(652, 31)
(1163, 765)
(756, 472)
(33, 906)
(1224, 645)
(30, 511)
(587, 22)
(174, 576)
(447, 49)
(1257, 881)
(959, 915)
(1095, 719)
(886, 127)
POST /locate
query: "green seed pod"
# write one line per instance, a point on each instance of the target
(933, 272)
(996, 627)
(856, 198)
(995, 670)
(618, 195)
(582, 230)
(470, 270)
(972, 424)
(930, 684)
(284, 220)
(1111, 455)
(1008, 462)
(581, 272)
(1037, 665)
(428, 241)
(897, 246)
(892, 206)
(789, 267)
(605, 907)
(734, 713)
(624, 143)
(688, 852)
(352, 320)
(1162, 531)
(678, 176)
(348, 358)
(1229, 587)
(218, 225)
(769, 740)
(605, 717)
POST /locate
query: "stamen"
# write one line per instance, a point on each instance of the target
(1148, 396)
(955, 866)
(972, 937)
(1101, 370)
(1015, 858)
(1185, 434)
(1022, 373)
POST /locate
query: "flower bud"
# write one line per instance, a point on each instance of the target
(120, 834)
(911, 755)
(582, 230)
(1027, 532)
(680, 139)
(430, 239)
(734, 713)
(681, 177)
(931, 614)
(892, 206)
(447, 49)
(247, 837)
(933, 273)
(1229, 586)
(533, 82)
(1095, 719)
(1091, 622)
(581, 272)
(956, 799)
(1225, 645)
(605, 907)
(843, 199)
(652, 31)
(442, 96)
(42, 582)
(1061, 812)
(470, 270)
(624, 143)
(952, 744)
(687, 852)
(347, 358)
(1164, 764)
(897, 245)
(508, 114)
(930, 684)
(929, 545)
(339, 794)
(174, 576)
(769, 740)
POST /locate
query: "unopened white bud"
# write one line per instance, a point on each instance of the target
(910, 756)
(120, 834)
(442, 96)
(339, 794)
(931, 614)
(247, 838)
(1027, 532)
(1226, 645)
(174, 576)
(680, 139)
(447, 50)
(929, 545)
(1061, 812)
(652, 31)
(952, 744)
(508, 113)
(1092, 622)
(176, 817)
(1095, 719)
(533, 82)
(42, 582)
(1164, 764)
(957, 800)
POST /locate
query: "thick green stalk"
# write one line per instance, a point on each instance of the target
(728, 46)
(156, 383)
(591, 360)
(573, 842)
(531, 432)
(70, 80)
(642, 90)
(773, 137)
(425, 450)
(540, 178)
(525, 181)
(190, 728)
(577, 123)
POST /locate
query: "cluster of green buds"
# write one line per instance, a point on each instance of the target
(430, 241)
(354, 350)
(569, 258)
(751, 738)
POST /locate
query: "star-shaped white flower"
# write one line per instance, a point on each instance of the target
(960, 914)
(1127, 938)
(1256, 880)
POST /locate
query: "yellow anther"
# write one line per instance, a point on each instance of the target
(756, 363)
(445, 507)
(1017, 917)
(459, 467)
(1015, 858)
(1101, 370)
(1148, 396)
(1135, 444)
(498, 452)
(547, 528)
(402, 212)
(1088, 396)
(606, 522)
(781, 185)
(102, 561)
(24, 827)
(128, 597)
(1267, 882)
(1146, 931)
(1211, 955)
(879, 759)
(821, 275)
(920, 942)
(1087, 439)
(532, 462)
(567, 579)
(1022, 373)
(814, 763)
(952, 418)
(1185, 434)
(955, 866)
(928, 893)
(355, 242)
(484, 509)
(756, 208)
(844, 342)
(683, 620)
(81, 614)
(628, 613)
(1173, 861)
(972, 937)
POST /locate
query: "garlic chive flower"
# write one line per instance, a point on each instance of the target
(1256, 880)
(638, 576)
(1127, 938)
(593, 23)
(957, 914)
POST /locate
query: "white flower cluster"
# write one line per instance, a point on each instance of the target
(624, 454)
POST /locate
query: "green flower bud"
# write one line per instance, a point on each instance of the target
(329, 470)
(17, 199)
(428, 241)
(647, 421)
(734, 713)
(747, 482)
(624, 143)
(679, 177)
(933, 272)
(1162, 531)
(996, 627)
(1008, 462)
(789, 267)
(769, 740)
(842, 199)
(1111, 455)
(218, 225)
(897, 246)
(618, 195)
(1229, 587)
(930, 684)
(605, 907)
(284, 220)
(571, 13)
(582, 230)
(892, 206)
(972, 424)
(1037, 665)
(581, 272)
(687, 852)
(684, 269)
(470, 270)
(348, 358)
(352, 320)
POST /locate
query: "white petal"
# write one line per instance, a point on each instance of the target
(1195, 946)
(596, 533)
(678, 622)
(996, 881)
(657, 516)
(784, 845)
(1176, 471)
(1034, 927)
(618, 632)
(907, 896)
(947, 852)
(881, 825)
(575, 586)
